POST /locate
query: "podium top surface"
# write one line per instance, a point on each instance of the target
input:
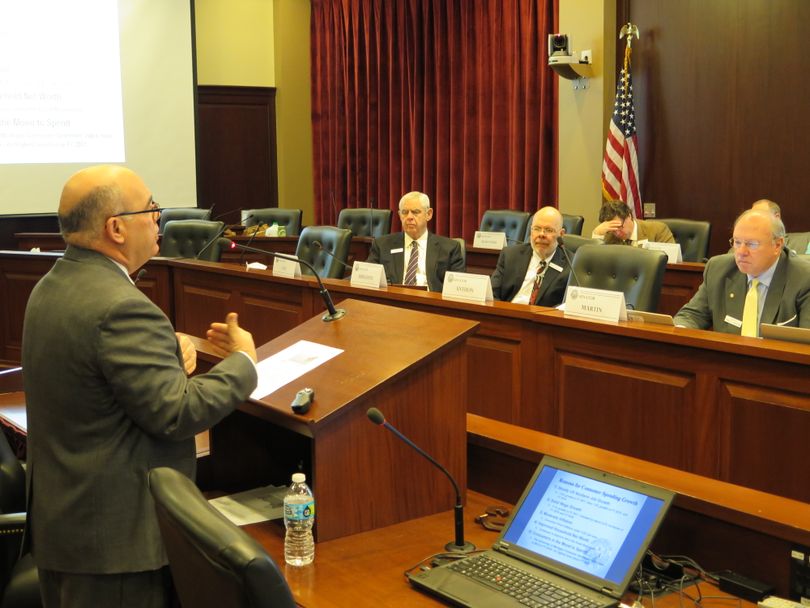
(380, 343)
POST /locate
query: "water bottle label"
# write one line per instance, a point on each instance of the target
(300, 511)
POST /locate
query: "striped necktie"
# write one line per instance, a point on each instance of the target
(538, 280)
(751, 311)
(413, 264)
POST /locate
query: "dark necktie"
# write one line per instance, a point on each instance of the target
(538, 280)
(413, 264)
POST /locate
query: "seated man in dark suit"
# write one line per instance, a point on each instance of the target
(416, 256)
(757, 283)
(535, 272)
(618, 226)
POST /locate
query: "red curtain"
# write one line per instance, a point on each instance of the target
(450, 97)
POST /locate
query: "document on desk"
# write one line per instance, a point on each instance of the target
(252, 506)
(289, 364)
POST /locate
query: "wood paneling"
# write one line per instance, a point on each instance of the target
(237, 148)
(721, 108)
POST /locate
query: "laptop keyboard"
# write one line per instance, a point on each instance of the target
(527, 589)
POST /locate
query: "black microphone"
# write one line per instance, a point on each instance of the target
(459, 546)
(252, 236)
(318, 245)
(561, 243)
(228, 212)
(333, 313)
(211, 242)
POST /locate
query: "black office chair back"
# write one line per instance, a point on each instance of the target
(573, 223)
(213, 562)
(799, 242)
(512, 223)
(638, 273)
(186, 238)
(693, 236)
(289, 218)
(335, 240)
(365, 221)
(19, 580)
(182, 213)
(574, 242)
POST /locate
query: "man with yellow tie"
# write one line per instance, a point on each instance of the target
(756, 283)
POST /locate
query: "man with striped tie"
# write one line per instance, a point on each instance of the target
(416, 256)
(757, 283)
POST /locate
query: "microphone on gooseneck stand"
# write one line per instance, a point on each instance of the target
(333, 313)
(139, 276)
(211, 242)
(250, 240)
(561, 243)
(224, 213)
(318, 245)
(459, 546)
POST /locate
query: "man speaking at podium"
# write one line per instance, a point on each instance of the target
(416, 256)
(108, 397)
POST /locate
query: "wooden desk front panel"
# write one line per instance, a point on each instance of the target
(726, 416)
(266, 308)
(18, 276)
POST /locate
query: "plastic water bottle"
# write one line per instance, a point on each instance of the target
(299, 517)
(272, 230)
(282, 231)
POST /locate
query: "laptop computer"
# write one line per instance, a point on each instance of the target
(582, 530)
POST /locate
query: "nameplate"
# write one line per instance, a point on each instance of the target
(366, 274)
(595, 304)
(489, 240)
(466, 287)
(673, 250)
(287, 268)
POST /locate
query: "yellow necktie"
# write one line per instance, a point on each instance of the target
(751, 310)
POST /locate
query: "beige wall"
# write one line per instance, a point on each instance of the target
(235, 42)
(266, 43)
(584, 113)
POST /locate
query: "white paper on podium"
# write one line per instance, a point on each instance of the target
(289, 364)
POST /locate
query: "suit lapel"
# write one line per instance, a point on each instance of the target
(551, 274)
(430, 256)
(775, 291)
(735, 288)
(398, 259)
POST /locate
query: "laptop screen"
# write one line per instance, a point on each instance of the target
(587, 525)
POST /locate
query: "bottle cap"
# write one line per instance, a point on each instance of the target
(299, 478)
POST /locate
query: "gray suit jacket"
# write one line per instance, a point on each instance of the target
(107, 400)
(442, 254)
(511, 270)
(722, 295)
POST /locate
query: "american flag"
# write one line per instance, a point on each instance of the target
(620, 166)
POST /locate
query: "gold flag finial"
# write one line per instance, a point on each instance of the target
(629, 30)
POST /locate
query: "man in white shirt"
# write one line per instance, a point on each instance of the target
(416, 256)
(534, 272)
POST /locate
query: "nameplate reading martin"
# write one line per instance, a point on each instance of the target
(595, 304)
(489, 240)
(466, 287)
(366, 274)
(287, 268)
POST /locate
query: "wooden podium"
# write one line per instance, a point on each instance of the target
(413, 367)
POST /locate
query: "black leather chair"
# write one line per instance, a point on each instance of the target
(182, 213)
(19, 579)
(463, 246)
(334, 240)
(512, 223)
(365, 221)
(693, 236)
(289, 218)
(638, 273)
(186, 238)
(213, 562)
(798, 242)
(574, 242)
(573, 223)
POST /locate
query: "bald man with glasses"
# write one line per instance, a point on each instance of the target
(108, 397)
(758, 282)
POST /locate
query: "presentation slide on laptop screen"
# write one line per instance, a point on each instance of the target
(584, 523)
